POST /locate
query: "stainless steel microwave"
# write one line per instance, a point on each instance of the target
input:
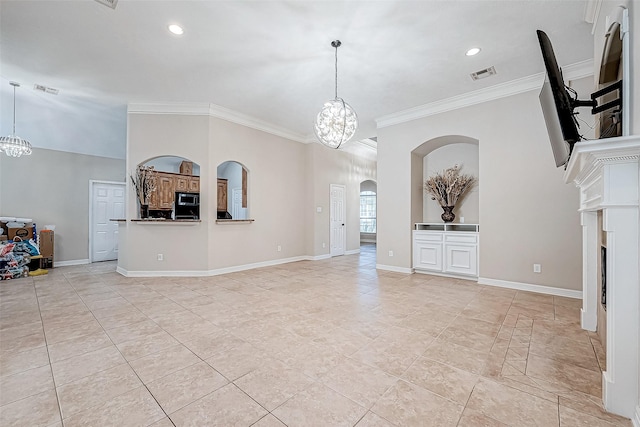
(188, 199)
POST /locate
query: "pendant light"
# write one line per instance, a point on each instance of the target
(337, 121)
(13, 145)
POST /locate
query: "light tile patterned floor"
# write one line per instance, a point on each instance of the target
(324, 343)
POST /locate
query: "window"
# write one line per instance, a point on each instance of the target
(367, 212)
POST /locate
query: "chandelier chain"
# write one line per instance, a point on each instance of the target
(336, 72)
(14, 107)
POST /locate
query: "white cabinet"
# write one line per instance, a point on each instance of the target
(427, 251)
(450, 249)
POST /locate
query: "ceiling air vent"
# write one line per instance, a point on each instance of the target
(482, 74)
(45, 89)
(111, 3)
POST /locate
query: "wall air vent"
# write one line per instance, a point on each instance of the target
(111, 3)
(483, 74)
(45, 89)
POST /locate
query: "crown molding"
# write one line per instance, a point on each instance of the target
(212, 110)
(502, 90)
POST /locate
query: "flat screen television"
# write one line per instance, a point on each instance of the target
(557, 106)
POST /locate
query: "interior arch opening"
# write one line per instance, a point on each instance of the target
(232, 191)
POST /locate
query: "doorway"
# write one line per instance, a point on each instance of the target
(107, 202)
(338, 237)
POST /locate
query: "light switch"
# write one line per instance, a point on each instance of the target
(319, 209)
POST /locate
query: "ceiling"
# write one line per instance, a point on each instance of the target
(272, 60)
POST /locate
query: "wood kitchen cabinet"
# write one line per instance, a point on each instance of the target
(167, 185)
(194, 184)
(164, 195)
(222, 195)
(187, 184)
(182, 183)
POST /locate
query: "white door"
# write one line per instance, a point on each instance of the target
(338, 238)
(237, 211)
(107, 202)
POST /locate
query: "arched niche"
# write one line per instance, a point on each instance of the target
(436, 155)
(232, 191)
(368, 211)
(177, 192)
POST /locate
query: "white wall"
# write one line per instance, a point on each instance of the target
(326, 167)
(52, 187)
(466, 156)
(183, 247)
(73, 123)
(286, 181)
(527, 214)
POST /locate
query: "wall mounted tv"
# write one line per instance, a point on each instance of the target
(559, 103)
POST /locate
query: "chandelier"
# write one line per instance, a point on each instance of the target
(337, 121)
(13, 145)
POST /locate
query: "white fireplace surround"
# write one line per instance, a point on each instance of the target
(607, 171)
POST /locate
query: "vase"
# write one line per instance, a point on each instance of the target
(448, 215)
(144, 211)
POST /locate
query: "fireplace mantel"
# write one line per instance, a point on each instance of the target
(607, 171)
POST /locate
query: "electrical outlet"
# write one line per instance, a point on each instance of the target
(537, 268)
(279, 248)
(160, 257)
(390, 253)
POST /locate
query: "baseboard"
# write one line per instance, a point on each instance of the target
(218, 271)
(70, 262)
(318, 257)
(368, 240)
(165, 273)
(244, 267)
(394, 269)
(569, 293)
(636, 417)
(452, 276)
(352, 252)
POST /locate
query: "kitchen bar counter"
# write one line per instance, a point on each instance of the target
(160, 221)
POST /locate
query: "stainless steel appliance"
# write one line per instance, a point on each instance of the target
(187, 199)
(187, 206)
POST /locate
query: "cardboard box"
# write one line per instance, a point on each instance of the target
(24, 233)
(46, 243)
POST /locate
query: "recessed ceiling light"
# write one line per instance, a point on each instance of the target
(176, 29)
(473, 51)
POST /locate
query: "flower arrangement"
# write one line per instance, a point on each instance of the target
(449, 185)
(144, 182)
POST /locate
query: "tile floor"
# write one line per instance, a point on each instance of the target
(324, 343)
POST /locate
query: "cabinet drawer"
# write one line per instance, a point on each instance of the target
(461, 238)
(428, 237)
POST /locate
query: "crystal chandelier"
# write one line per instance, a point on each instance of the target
(13, 145)
(337, 121)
